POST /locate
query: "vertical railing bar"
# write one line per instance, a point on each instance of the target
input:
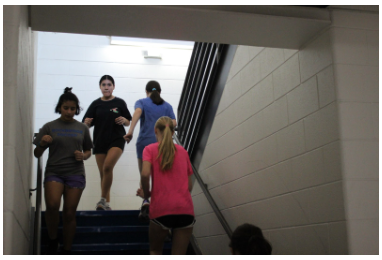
(204, 99)
(195, 93)
(201, 90)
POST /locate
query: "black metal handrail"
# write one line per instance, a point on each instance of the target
(206, 192)
(37, 218)
(198, 84)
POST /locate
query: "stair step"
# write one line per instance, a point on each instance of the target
(115, 234)
(114, 249)
(104, 218)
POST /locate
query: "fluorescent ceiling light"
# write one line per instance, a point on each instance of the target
(153, 54)
(157, 43)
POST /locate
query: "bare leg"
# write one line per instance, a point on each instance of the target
(180, 240)
(157, 236)
(111, 159)
(71, 199)
(100, 159)
(140, 162)
(53, 193)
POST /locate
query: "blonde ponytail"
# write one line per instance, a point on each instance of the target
(166, 147)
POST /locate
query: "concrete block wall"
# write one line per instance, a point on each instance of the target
(18, 91)
(79, 61)
(294, 145)
(356, 72)
(273, 155)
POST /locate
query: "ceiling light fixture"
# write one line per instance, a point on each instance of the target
(157, 43)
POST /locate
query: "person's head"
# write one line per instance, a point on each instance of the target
(68, 105)
(248, 239)
(107, 85)
(164, 129)
(153, 90)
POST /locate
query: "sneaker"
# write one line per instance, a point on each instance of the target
(101, 205)
(144, 214)
(53, 247)
(108, 207)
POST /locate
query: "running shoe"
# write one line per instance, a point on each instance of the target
(101, 205)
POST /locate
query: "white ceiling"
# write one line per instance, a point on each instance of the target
(270, 26)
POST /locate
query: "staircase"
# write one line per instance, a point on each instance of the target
(116, 232)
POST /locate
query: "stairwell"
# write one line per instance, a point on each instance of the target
(116, 232)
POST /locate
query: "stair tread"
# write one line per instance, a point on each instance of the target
(98, 229)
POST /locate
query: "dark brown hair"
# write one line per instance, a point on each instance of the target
(153, 87)
(248, 239)
(68, 96)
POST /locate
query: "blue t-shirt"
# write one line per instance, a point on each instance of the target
(150, 114)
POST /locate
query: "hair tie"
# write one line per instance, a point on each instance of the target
(167, 124)
(153, 89)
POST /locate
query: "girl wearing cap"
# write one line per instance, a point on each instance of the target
(148, 110)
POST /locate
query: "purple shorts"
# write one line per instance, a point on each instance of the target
(72, 181)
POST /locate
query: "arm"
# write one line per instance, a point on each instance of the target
(137, 115)
(82, 156)
(145, 178)
(174, 122)
(38, 151)
(42, 145)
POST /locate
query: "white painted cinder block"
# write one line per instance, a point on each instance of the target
(276, 116)
(363, 236)
(356, 121)
(323, 203)
(349, 46)
(360, 160)
(357, 193)
(286, 77)
(315, 56)
(303, 100)
(356, 83)
(321, 127)
(270, 59)
(290, 141)
(325, 84)
(250, 75)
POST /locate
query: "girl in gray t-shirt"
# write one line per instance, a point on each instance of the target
(69, 145)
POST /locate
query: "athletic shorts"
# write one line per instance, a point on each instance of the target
(142, 144)
(175, 221)
(120, 143)
(72, 181)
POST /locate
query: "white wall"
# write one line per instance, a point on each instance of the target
(355, 57)
(272, 158)
(294, 145)
(79, 61)
(18, 91)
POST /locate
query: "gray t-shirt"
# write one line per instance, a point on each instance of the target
(67, 138)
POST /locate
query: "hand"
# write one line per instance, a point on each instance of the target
(78, 155)
(120, 120)
(128, 137)
(88, 121)
(45, 140)
(140, 193)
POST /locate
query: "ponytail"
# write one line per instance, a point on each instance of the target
(166, 148)
(153, 87)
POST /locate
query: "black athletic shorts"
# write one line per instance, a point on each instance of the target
(120, 143)
(175, 221)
